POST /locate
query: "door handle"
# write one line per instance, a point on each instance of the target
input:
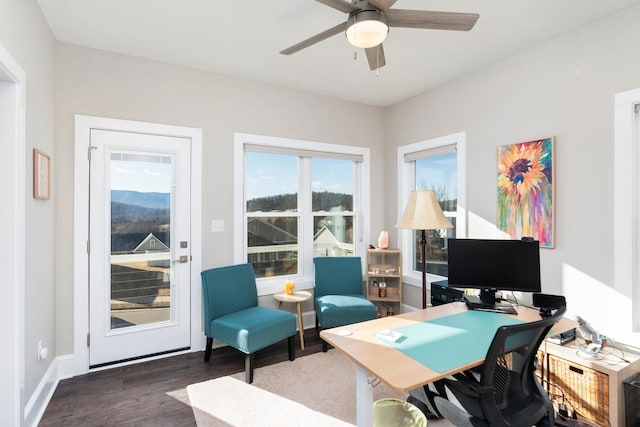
(182, 259)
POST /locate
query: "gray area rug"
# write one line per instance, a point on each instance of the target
(315, 390)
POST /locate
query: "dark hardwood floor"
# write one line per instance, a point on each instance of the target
(153, 393)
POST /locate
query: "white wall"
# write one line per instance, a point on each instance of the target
(98, 83)
(26, 36)
(563, 88)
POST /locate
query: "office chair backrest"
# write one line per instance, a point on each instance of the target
(338, 276)
(510, 364)
(227, 290)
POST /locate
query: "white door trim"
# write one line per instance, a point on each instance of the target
(81, 192)
(12, 228)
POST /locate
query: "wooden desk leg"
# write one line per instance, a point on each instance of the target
(300, 326)
(364, 398)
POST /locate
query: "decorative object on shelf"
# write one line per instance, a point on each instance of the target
(382, 290)
(390, 310)
(41, 175)
(289, 287)
(526, 191)
(383, 240)
(423, 213)
(592, 340)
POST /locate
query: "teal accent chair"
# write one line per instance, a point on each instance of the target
(339, 297)
(232, 315)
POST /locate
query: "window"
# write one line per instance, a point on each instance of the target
(438, 165)
(297, 200)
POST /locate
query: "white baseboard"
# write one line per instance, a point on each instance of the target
(60, 368)
(308, 319)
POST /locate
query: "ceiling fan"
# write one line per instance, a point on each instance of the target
(369, 21)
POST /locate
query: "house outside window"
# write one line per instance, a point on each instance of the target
(438, 165)
(297, 200)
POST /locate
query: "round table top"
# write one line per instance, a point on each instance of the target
(298, 296)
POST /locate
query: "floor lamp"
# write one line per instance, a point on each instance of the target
(423, 213)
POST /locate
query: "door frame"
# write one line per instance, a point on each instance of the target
(83, 124)
(13, 258)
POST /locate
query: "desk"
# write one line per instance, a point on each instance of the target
(375, 358)
(297, 297)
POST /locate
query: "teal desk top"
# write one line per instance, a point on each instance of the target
(448, 342)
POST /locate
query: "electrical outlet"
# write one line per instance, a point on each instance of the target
(217, 225)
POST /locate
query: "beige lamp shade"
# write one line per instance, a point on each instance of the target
(423, 212)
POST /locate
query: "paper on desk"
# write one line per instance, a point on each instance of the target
(389, 335)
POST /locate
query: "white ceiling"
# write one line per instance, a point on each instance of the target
(243, 38)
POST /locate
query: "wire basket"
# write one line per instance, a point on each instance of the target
(585, 390)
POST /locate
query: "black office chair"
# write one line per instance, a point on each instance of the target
(503, 391)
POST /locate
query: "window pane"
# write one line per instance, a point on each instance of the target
(437, 173)
(273, 245)
(141, 199)
(332, 185)
(333, 236)
(436, 249)
(271, 182)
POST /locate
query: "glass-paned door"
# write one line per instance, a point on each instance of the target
(139, 245)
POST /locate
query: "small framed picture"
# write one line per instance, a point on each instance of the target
(41, 175)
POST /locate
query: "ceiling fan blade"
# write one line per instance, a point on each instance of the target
(315, 39)
(382, 4)
(375, 56)
(431, 20)
(341, 5)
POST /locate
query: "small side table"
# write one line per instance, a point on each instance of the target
(297, 297)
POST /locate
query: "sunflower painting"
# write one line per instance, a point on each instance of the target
(525, 190)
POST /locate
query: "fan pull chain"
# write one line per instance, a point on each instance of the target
(355, 37)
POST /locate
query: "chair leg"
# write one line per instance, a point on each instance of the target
(291, 343)
(207, 349)
(325, 346)
(248, 368)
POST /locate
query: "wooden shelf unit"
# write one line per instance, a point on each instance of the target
(594, 387)
(381, 261)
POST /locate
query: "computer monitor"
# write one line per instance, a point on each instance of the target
(492, 265)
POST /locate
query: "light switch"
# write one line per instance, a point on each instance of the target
(217, 225)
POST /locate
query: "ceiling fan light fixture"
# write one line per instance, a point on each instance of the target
(367, 28)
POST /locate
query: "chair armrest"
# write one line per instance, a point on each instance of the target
(467, 385)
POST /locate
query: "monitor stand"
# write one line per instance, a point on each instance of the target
(487, 302)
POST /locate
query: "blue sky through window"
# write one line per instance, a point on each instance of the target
(438, 173)
(142, 176)
(270, 174)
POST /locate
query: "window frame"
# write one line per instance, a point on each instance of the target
(361, 202)
(627, 199)
(406, 184)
